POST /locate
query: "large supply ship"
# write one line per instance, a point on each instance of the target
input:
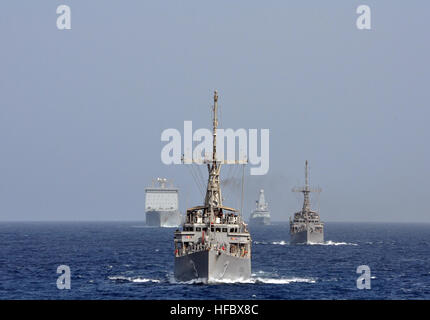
(161, 205)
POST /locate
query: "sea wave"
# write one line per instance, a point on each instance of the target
(282, 242)
(252, 280)
(172, 280)
(333, 243)
(326, 243)
(259, 280)
(261, 242)
(132, 279)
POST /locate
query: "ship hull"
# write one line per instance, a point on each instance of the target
(306, 237)
(212, 266)
(163, 218)
(260, 221)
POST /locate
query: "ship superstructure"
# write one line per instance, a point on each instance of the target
(214, 243)
(161, 205)
(306, 226)
(261, 215)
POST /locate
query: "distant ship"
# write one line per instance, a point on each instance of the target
(261, 215)
(161, 205)
(214, 243)
(306, 226)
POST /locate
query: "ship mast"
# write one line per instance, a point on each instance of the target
(306, 190)
(213, 191)
(261, 203)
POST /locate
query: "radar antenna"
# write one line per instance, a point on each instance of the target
(306, 190)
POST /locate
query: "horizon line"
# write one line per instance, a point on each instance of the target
(274, 222)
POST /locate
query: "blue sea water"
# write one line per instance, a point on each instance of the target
(115, 260)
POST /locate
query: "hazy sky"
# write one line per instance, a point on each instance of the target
(82, 110)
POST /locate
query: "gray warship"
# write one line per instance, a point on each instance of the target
(306, 227)
(214, 244)
(161, 205)
(261, 215)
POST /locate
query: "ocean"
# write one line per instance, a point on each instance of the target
(127, 260)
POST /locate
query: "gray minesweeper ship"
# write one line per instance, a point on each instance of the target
(261, 215)
(214, 243)
(161, 205)
(306, 226)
